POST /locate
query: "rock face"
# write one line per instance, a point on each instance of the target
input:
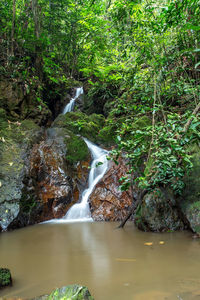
(41, 174)
(5, 278)
(75, 292)
(57, 177)
(21, 104)
(107, 202)
(158, 213)
(190, 202)
(16, 140)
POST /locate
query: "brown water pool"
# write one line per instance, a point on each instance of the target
(115, 264)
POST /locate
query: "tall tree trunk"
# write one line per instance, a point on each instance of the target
(36, 20)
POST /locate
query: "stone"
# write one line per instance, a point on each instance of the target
(15, 144)
(5, 278)
(75, 292)
(58, 175)
(107, 201)
(158, 213)
(80, 123)
(190, 200)
(21, 104)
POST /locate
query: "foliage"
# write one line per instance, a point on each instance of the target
(165, 149)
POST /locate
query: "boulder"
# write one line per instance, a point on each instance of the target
(158, 212)
(58, 172)
(16, 140)
(108, 202)
(5, 278)
(75, 292)
(80, 123)
(190, 202)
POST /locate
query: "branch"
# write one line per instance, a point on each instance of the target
(194, 113)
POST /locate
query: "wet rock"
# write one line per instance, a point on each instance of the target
(5, 278)
(58, 175)
(75, 292)
(107, 202)
(190, 202)
(158, 212)
(16, 140)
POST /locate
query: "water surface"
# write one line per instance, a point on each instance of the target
(115, 264)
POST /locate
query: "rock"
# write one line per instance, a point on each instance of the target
(107, 202)
(80, 123)
(58, 172)
(21, 104)
(158, 213)
(16, 140)
(75, 292)
(5, 278)
(190, 202)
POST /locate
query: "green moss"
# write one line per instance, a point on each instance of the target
(80, 123)
(3, 119)
(107, 134)
(77, 149)
(5, 277)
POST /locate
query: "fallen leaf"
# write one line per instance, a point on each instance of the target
(161, 242)
(11, 163)
(0, 184)
(3, 140)
(148, 244)
(125, 259)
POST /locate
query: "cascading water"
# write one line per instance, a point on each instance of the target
(70, 106)
(80, 211)
(99, 166)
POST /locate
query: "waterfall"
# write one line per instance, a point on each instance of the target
(81, 211)
(99, 166)
(70, 106)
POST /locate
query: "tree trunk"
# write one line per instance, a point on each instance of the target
(36, 20)
(133, 208)
(13, 27)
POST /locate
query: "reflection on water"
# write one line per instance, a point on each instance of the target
(113, 263)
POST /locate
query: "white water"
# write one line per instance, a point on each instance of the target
(80, 212)
(70, 106)
(99, 166)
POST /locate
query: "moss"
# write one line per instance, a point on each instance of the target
(3, 119)
(5, 277)
(75, 292)
(77, 149)
(80, 123)
(29, 125)
(107, 134)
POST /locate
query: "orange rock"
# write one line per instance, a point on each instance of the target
(107, 202)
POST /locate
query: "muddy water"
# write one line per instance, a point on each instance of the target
(114, 264)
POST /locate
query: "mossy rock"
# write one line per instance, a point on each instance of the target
(75, 292)
(190, 202)
(158, 213)
(80, 123)
(5, 278)
(107, 134)
(76, 148)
